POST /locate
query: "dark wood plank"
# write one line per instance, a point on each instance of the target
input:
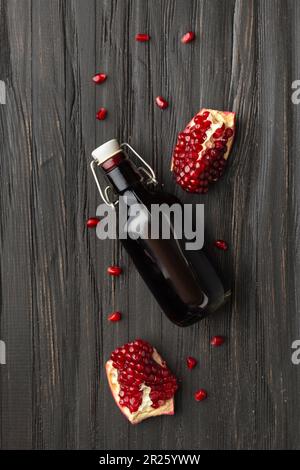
(49, 222)
(55, 294)
(84, 308)
(16, 227)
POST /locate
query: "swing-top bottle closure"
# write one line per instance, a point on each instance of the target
(105, 152)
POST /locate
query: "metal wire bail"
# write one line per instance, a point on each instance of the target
(104, 194)
(148, 170)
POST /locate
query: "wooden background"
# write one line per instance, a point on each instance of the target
(55, 293)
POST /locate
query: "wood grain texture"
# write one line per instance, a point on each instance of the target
(55, 294)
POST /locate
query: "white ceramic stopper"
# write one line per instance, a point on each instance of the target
(105, 151)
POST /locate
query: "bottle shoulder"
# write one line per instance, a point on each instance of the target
(154, 195)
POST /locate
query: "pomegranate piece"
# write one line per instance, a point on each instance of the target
(188, 37)
(114, 270)
(99, 78)
(161, 102)
(115, 316)
(191, 362)
(200, 395)
(92, 222)
(140, 381)
(101, 114)
(217, 341)
(221, 245)
(202, 149)
(142, 37)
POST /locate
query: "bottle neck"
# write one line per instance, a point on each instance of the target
(121, 172)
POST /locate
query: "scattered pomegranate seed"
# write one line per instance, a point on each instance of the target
(114, 270)
(161, 102)
(142, 37)
(221, 245)
(101, 114)
(191, 362)
(99, 78)
(188, 37)
(115, 316)
(92, 222)
(217, 341)
(200, 394)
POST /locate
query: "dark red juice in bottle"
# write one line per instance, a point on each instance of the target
(184, 282)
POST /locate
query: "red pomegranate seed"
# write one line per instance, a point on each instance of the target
(92, 222)
(142, 37)
(200, 395)
(115, 316)
(191, 362)
(101, 114)
(99, 78)
(228, 133)
(219, 132)
(217, 341)
(161, 102)
(221, 245)
(188, 37)
(114, 270)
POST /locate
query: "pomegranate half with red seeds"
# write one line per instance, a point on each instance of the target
(140, 381)
(201, 152)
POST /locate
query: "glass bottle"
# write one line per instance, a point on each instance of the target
(184, 282)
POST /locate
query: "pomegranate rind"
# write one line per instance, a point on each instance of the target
(166, 409)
